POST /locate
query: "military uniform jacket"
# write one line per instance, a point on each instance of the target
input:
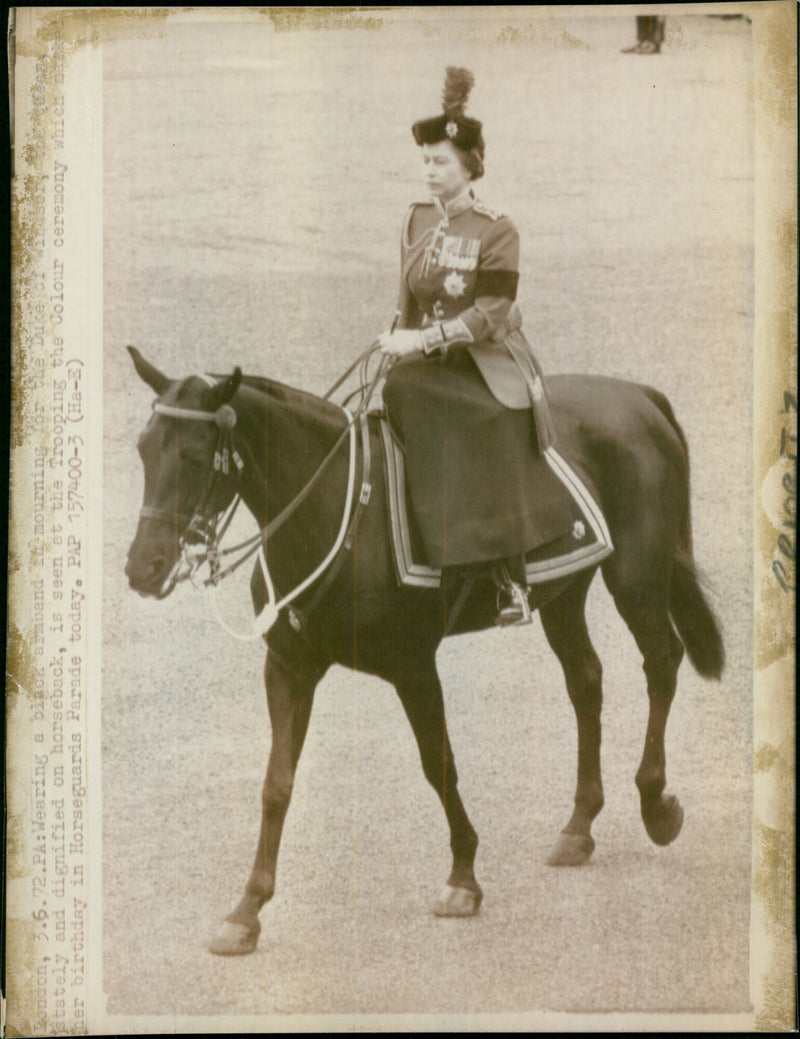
(460, 260)
(480, 487)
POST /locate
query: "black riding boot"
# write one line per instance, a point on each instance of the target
(512, 591)
(649, 33)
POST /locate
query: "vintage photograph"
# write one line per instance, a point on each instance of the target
(426, 410)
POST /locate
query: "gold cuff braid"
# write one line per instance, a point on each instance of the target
(442, 334)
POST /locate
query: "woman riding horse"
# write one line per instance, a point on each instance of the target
(467, 399)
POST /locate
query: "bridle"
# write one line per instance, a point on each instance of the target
(204, 529)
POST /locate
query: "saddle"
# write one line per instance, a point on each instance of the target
(587, 542)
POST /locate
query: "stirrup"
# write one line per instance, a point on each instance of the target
(516, 610)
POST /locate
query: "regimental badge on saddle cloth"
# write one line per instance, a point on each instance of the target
(458, 253)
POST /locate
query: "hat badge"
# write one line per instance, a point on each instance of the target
(451, 129)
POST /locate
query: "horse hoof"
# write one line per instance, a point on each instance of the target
(458, 901)
(571, 849)
(233, 939)
(664, 820)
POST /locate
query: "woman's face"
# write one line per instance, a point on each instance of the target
(445, 175)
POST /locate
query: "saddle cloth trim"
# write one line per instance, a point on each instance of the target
(417, 575)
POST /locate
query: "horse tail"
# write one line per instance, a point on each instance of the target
(694, 618)
(691, 614)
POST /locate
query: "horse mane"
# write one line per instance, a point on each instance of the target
(293, 398)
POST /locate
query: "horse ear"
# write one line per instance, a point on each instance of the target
(227, 388)
(148, 373)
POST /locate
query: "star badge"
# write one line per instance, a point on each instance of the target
(454, 284)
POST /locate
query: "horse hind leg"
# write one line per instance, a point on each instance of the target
(564, 625)
(643, 604)
(662, 813)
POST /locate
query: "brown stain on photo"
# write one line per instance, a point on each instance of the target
(773, 884)
(93, 27)
(293, 19)
(774, 637)
(21, 978)
(775, 103)
(21, 967)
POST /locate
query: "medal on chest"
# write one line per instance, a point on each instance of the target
(460, 254)
(454, 285)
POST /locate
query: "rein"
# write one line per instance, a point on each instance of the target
(209, 530)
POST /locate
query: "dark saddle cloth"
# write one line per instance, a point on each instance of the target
(480, 488)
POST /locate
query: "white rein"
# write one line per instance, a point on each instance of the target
(225, 418)
(269, 612)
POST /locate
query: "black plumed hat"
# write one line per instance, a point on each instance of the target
(453, 125)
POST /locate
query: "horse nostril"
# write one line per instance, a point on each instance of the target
(158, 570)
(141, 574)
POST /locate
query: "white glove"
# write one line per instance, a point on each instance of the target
(403, 341)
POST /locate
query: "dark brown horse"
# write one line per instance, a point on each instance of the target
(623, 440)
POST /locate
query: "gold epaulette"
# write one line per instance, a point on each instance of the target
(410, 214)
(484, 210)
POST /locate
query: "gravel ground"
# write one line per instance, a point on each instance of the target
(255, 186)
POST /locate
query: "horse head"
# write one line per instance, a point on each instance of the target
(185, 485)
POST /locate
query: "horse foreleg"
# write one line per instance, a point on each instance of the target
(289, 698)
(564, 624)
(421, 696)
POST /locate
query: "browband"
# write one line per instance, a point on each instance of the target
(224, 416)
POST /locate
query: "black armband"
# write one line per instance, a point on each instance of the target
(497, 283)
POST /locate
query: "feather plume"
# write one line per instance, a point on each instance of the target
(457, 85)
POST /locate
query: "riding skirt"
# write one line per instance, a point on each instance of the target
(480, 488)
